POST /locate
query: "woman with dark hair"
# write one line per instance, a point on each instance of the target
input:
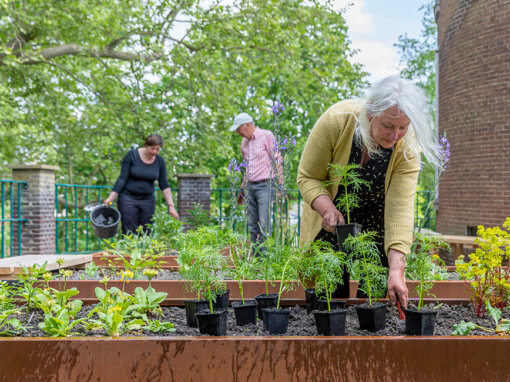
(135, 185)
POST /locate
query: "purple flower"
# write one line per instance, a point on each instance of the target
(234, 166)
(293, 141)
(277, 108)
(445, 149)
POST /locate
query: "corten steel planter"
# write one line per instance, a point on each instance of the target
(256, 359)
(168, 262)
(455, 290)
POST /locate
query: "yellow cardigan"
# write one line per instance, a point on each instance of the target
(330, 141)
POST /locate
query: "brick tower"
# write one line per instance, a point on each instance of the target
(474, 110)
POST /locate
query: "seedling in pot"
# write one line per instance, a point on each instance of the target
(276, 320)
(348, 180)
(365, 265)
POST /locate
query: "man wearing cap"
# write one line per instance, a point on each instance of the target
(258, 150)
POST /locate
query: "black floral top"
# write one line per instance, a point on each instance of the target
(370, 213)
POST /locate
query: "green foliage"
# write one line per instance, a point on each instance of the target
(9, 325)
(489, 279)
(199, 217)
(165, 229)
(157, 326)
(322, 264)
(502, 325)
(424, 265)
(60, 324)
(137, 252)
(148, 300)
(202, 262)
(243, 265)
(364, 264)
(28, 277)
(91, 269)
(345, 177)
(287, 272)
(81, 73)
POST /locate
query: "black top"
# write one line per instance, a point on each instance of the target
(370, 213)
(137, 177)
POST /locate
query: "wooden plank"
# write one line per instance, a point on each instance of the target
(13, 265)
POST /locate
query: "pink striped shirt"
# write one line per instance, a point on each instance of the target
(258, 151)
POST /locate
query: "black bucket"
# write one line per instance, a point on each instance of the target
(105, 221)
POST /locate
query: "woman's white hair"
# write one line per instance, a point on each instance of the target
(411, 100)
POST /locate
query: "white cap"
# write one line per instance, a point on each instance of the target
(241, 119)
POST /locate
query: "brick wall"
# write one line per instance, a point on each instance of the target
(474, 110)
(38, 207)
(193, 188)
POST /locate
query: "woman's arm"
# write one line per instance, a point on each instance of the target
(167, 194)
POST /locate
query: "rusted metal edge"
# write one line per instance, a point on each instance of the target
(256, 358)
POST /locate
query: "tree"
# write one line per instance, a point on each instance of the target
(81, 80)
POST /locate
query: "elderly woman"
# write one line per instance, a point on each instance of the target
(135, 185)
(385, 134)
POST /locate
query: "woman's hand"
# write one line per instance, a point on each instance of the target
(331, 217)
(397, 288)
(173, 212)
(109, 200)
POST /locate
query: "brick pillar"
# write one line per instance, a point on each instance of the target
(193, 188)
(38, 207)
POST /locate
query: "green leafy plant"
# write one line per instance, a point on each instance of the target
(115, 312)
(136, 252)
(502, 325)
(60, 324)
(199, 217)
(325, 266)
(287, 272)
(267, 264)
(148, 300)
(488, 278)
(29, 276)
(348, 179)
(423, 263)
(157, 326)
(364, 264)
(423, 259)
(243, 264)
(91, 269)
(165, 229)
(196, 248)
(9, 325)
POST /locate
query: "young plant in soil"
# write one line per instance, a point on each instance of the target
(243, 265)
(489, 279)
(364, 264)
(502, 325)
(346, 177)
(423, 260)
(136, 252)
(423, 263)
(321, 265)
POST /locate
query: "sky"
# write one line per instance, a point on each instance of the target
(374, 26)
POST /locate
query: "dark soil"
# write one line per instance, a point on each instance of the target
(300, 323)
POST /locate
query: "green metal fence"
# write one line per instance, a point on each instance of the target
(11, 218)
(74, 232)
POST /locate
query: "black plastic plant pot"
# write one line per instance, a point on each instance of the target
(330, 323)
(192, 308)
(321, 304)
(214, 324)
(343, 231)
(245, 313)
(310, 299)
(105, 221)
(221, 300)
(265, 301)
(276, 321)
(420, 323)
(371, 318)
